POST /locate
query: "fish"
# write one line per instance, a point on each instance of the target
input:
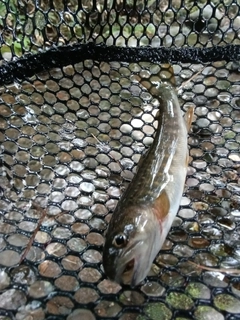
(145, 212)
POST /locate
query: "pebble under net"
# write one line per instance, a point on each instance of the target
(71, 138)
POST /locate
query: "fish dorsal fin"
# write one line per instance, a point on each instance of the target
(161, 206)
(189, 117)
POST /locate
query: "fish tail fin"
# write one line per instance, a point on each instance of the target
(165, 74)
(189, 117)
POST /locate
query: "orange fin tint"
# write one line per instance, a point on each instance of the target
(161, 206)
(189, 117)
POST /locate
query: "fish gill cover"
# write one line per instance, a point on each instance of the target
(73, 126)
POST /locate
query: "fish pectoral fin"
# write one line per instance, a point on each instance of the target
(189, 117)
(157, 115)
(161, 206)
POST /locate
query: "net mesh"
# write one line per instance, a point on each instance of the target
(71, 138)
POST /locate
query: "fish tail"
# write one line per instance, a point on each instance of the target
(165, 75)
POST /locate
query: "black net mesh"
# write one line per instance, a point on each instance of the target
(72, 134)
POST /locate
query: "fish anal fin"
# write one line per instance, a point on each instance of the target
(141, 160)
(161, 206)
(189, 117)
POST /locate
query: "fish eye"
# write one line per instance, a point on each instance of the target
(119, 240)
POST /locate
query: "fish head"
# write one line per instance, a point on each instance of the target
(131, 245)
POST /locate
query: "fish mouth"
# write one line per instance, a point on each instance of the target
(128, 272)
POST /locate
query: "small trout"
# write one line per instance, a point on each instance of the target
(145, 212)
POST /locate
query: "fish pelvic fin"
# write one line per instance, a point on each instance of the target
(189, 118)
(187, 160)
(161, 206)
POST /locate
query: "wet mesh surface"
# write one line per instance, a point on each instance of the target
(70, 142)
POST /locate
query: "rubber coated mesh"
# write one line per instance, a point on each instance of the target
(71, 138)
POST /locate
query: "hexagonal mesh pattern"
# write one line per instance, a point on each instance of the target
(70, 142)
